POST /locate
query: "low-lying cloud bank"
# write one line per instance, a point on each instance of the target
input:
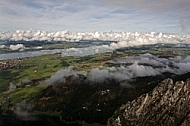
(123, 38)
(17, 47)
(141, 66)
(60, 75)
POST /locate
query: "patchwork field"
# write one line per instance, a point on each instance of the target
(76, 90)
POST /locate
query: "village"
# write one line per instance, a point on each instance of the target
(13, 64)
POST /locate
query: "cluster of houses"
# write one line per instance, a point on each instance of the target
(12, 64)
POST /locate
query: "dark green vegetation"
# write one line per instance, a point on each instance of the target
(76, 101)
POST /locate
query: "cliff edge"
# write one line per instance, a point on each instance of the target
(167, 105)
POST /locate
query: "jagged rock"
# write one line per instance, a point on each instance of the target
(167, 105)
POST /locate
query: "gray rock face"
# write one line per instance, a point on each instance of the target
(167, 105)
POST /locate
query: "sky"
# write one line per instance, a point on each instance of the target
(168, 16)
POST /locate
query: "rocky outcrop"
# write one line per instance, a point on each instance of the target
(167, 105)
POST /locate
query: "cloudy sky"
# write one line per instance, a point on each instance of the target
(171, 16)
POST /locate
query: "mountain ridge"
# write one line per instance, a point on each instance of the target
(168, 104)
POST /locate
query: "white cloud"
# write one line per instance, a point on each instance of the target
(2, 46)
(60, 75)
(122, 39)
(95, 15)
(123, 74)
(17, 47)
(183, 67)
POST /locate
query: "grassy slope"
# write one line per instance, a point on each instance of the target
(42, 67)
(39, 67)
(24, 93)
